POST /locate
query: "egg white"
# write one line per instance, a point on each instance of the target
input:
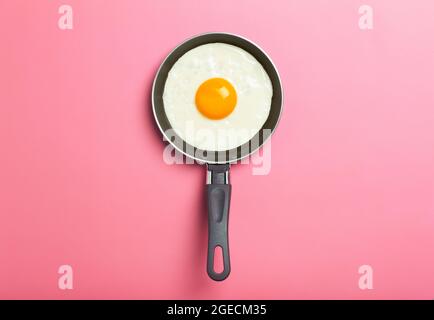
(243, 71)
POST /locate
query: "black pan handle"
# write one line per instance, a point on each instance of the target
(219, 197)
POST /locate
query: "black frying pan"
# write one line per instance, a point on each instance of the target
(218, 187)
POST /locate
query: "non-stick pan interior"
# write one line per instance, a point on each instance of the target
(214, 156)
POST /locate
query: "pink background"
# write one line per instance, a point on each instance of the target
(83, 182)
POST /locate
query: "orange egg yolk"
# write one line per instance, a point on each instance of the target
(216, 98)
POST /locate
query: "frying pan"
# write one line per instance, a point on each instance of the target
(218, 188)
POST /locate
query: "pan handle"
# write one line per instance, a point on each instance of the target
(219, 196)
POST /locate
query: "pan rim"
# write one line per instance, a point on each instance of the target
(199, 160)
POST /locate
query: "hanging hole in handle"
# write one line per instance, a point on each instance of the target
(218, 266)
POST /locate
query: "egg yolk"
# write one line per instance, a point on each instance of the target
(216, 98)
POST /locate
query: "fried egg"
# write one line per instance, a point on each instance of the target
(217, 97)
